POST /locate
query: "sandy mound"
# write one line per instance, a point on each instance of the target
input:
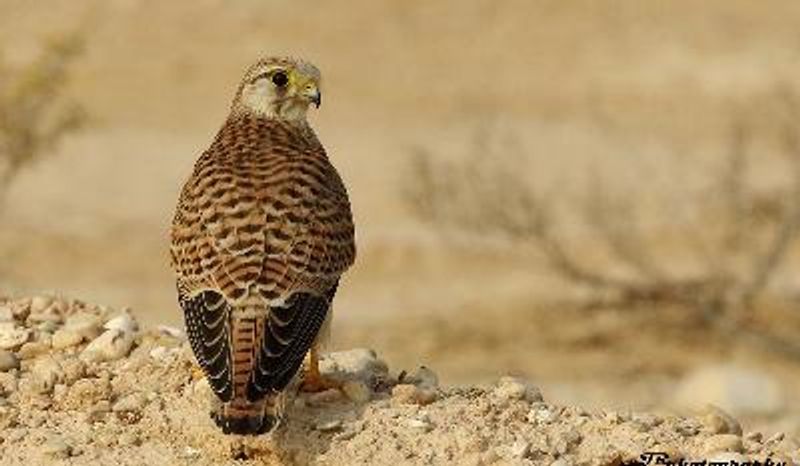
(82, 384)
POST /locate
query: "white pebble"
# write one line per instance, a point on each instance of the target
(514, 388)
(11, 336)
(56, 448)
(357, 391)
(132, 402)
(123, 322)
(111, 345)
(329, 426)
(173, 332)
(64, 338)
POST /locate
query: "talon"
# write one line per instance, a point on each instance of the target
(313, 381)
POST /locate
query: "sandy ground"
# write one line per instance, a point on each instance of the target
(136, 400)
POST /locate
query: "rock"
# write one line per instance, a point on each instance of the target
(6, 314)
(40, 304)
(423, 377)
(362, 364)
(190, 453)
(329, 426)
(113, 344)
(33, 349)
(775, 438)
(163, 354)
(331, 395)
(123, 322)
(17, 435)
(56, 447)
(737, 390)
(755, 437)
(11, 336)
(98, 410)
(420, 424)
(519, 449)
(408, 393)
(717, 421)
(46, 372)
(723, 442)
(357, 391)
(542, 414)
(8, 361)
(173, 332)
(514, 388)
(132, 402)
(66, 337)
(84, 324)
(126, 439)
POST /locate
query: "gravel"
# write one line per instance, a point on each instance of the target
(128, 397)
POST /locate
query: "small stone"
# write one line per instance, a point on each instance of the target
(84, 324)
(11, 336)
(46, 373)
(8, 361)
(329, 396)
(543, 414)
(127, 439)
(132, 402)
(40, 304)
(423, 377)
(190, 453)
(362, 364)
(723, 442)
(357, 391)
(514, 388)
(33, 349)
(169, 331)
(123, 322)
(47, 327)
(519, 449)
(329, 426)
(98, 410)
(717, 421)
(113, 344)
(408, 393)
(163, 354)
(422, 425)
(17, 434)
(56, 447)
(66, 337)
(755, 437)
(776, 437)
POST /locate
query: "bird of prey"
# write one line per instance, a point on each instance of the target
(262, 233)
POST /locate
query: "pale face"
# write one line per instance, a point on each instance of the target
(279, 88)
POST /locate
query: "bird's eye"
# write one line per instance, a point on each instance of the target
(280, 79)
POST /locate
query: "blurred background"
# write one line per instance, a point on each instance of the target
(603, 197)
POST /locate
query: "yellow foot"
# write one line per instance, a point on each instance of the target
(315, 383)
(197, 373)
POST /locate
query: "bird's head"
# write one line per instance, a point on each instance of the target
(280, 88)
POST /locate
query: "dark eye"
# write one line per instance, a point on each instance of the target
(280, 79)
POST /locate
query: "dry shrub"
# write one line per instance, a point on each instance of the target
(486, 193)
(34, 113)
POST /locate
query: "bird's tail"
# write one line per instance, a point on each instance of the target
(242, 417)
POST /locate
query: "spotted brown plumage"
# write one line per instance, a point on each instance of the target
(261, 235)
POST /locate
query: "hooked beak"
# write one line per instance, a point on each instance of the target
(316, 98)
(313, 94)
